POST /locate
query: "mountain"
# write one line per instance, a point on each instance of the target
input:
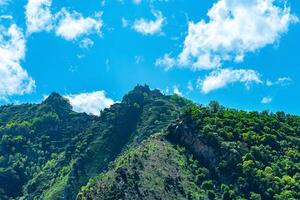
(209, 153)
(47, 151)
(148, 146)
(33, 137)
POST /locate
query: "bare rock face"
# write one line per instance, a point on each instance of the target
(182, 132)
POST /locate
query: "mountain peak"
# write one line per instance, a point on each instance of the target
(141, 88)
(146, 89)
(57, 101)
(139, 92)
(54, 95)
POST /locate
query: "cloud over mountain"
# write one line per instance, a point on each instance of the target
(90, 103)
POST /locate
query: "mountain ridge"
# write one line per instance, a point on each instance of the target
(209, 164)
(75, 143)
(48, 151)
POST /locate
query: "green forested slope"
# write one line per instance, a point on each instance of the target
(30, 136)
(149, 146)
(48, 151)
(209, 153)
(155, 170)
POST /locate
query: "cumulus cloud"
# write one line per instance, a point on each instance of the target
(90, 103)
(266, 100)
(234, 28)
(176, 90)
(67, 24)
(221, 78)
(166, 61)
(72, 25)
(149, 27)
(14, 80)
(38, 16)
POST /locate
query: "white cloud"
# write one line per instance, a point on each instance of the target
(68, 24)
(166, 61)
(150, 27)
(282, 81)
(221, 78)
(6, 17)
(72, 25)
(266, 100)
(14, 80)
(90, 103)
(234, 28)
(167, 91)
(177, 91)
(38, 16)
(86, 43)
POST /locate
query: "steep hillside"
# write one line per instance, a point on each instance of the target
(209, 153)
(141, 113)
(47, 151)
(148, 146)
(30, 136)
(155, 170)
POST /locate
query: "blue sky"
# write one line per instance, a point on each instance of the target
(244, 54)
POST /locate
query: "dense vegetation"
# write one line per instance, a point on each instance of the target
(209, 153)
(47, 151)
(31, 138)
(149, 146)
